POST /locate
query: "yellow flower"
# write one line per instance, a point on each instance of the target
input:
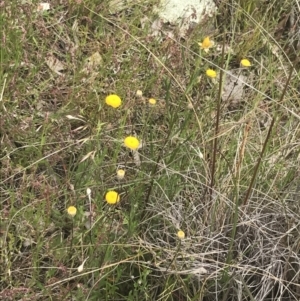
(72, 211)
(131, 142)
(113, 100)
(180, 234)
(112, 197)
(206, 44)
(152, 101)
(245, 63)
(139, 93)
(211, 73)
(120, 174)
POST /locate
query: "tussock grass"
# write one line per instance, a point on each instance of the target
(222, 169)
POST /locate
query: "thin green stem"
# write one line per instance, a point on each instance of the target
(72, 233)
(175, 255)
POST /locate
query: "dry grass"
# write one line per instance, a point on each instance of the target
(58, 139)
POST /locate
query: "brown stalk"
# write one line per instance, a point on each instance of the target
(215, 141)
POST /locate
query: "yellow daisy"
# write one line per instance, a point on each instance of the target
(245, 63)
(206, 44)
(131, 142)
(180, 234)
(211, 73)
(112, 197)
(152, 101)
(113, 100)
(72, 211)
(120, 174)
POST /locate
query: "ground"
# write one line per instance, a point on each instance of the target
(200, 203)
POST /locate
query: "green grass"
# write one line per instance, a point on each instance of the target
(223, 170)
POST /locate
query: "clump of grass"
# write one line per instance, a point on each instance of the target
(180, 193)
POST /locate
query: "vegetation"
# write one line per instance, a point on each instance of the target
(138, 164)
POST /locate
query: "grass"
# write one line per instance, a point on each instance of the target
(224, 170)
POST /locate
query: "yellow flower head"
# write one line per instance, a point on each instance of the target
(113, 100)
(245, 63)
(120, 174)
(112, 197)
(180, 234)
(211, 73)
(139, 93)
(206, 44)
(152, 101)
(72, 211)
(131, 142)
